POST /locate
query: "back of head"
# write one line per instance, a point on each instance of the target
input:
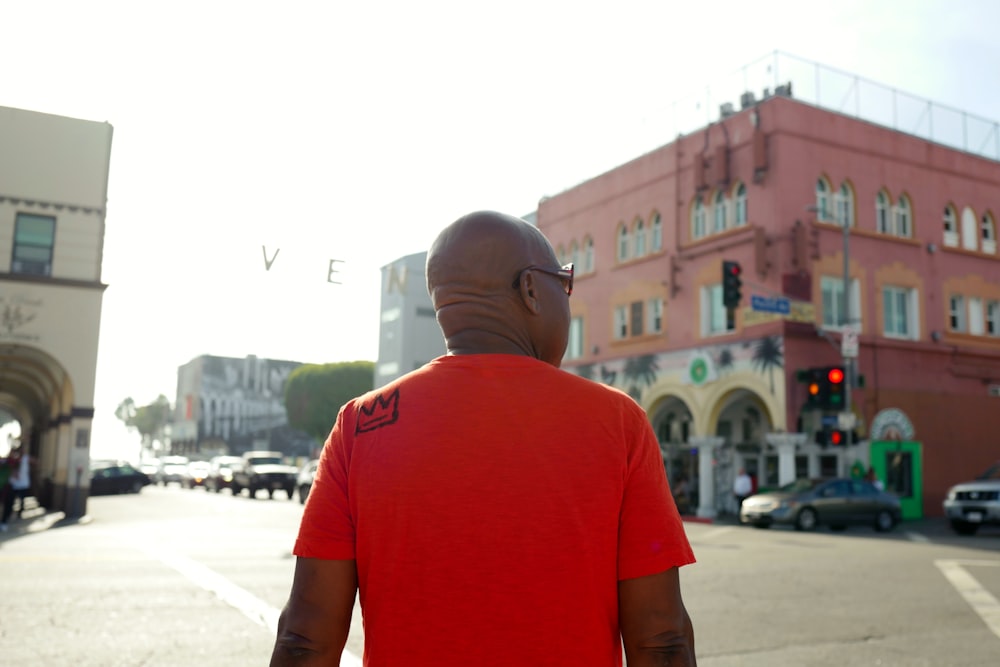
(485, 298)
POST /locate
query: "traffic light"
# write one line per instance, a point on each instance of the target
(826, 387)
(832, 437)
(732, 283)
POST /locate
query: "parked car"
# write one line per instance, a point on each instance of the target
(837, 503)
(264, 470)
(151, 467)
(305, 480)
(110, 477)
(220, 473)
(195, 474)
(970, 505)
(172, 469)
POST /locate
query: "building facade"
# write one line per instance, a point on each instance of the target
(229, 405)
(772, 187)
(409, 336)
(53, 197)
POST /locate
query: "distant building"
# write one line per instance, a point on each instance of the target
(229, 405)
(409, 336)
(772, 186)
(53, 198)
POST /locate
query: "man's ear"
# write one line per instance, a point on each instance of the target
(529, 291)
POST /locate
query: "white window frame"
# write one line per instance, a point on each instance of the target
(956, 314)
(654, 312)
(713, 313)
(657, 244)
(882, 213)
(698, 219)
(834, 287)
(574, 346)
(823, 208)
(950, 221)
(740, 205)
(720, 213)
(977, 323)
(640, 238)
(621, 322)
(843, 206)
(904, 325)
(588, 255)
(993, 318)
(574, 254)
(988, 233)
(902, 217)
(623, 243)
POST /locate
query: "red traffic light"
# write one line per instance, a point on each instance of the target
(835, 376)
(836, 437)
(734, 268)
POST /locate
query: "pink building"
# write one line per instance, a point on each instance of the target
(771, 187)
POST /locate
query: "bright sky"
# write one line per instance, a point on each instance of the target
(355, 131)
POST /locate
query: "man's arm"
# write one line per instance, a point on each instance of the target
(314, 624)
(655, 626)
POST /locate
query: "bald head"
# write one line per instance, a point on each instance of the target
(471, 268)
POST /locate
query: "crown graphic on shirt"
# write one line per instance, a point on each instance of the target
(381, 411)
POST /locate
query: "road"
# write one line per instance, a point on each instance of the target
(177, 577)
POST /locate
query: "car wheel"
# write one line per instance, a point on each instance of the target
(303, 493)
(252, 491)
(290, 490)
(270, 494)
(884, 521)
(964, 527)
(806, 520)
(235, 488)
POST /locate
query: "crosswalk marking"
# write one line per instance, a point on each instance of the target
(980, 599)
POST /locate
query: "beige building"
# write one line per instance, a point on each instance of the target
(53, 197)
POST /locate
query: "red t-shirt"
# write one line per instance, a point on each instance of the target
(492, 503)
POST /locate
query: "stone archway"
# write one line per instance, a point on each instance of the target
(673, 423)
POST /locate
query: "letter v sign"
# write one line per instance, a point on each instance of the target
(269, 262)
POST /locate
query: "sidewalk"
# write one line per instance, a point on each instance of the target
(36, 518)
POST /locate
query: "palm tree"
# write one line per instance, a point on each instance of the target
(725, 359)
(768, 355)
(638, 371)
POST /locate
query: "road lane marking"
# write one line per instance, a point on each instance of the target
(980, 599)
(247, 603)
(715, 533)
(917, 537)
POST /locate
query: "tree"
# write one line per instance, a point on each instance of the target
(314, 393)
(148, 420)
(767, 356)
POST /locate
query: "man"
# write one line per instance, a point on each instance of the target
(491, 509)
(742, 488)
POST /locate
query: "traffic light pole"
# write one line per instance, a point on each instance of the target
(848, 361)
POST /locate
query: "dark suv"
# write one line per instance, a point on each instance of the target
(970, 505)
(264, 470)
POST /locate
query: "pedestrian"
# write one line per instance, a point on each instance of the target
(742, 488)
(870, 476)
(491, 509)
(18, 485)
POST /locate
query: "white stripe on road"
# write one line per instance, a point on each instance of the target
(980, 599)
(918, 537)
(715, 533)
(250, 605)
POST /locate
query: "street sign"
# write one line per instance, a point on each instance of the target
(849, 343)
(770, 304)
(829, 420)
(846, 421)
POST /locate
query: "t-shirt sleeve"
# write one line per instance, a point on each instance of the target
(327, 528)
(651, 536)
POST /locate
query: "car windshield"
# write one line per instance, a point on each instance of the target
(265, 460)
(800, 485)
(993, 472)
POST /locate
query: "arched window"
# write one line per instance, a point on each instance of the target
(574, 254)
(740, 195)
(657, 233)
(950, 226)
(623, 242)
(698, 219)
(882, 212)
(720, 213)
(844, 201)
(588, 255)
(988, 232)
(970, 235)
(824, 211)
(903, 218)
(640, 237)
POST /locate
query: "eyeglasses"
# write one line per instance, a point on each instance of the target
(565, 275)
